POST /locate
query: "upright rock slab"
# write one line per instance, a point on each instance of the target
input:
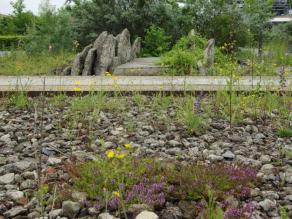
(209, 53)
(124, 46)
(89, 62)
(209, 56)
(107, 55)
(78, 63)
(136, 48)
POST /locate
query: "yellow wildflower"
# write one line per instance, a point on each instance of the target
(110, 154)
(108, 74)
(116, 194)
(77, 89)
(115, 78)
(121, 156)
(77, 83)
(128, 146)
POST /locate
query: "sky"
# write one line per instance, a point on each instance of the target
(31, 5)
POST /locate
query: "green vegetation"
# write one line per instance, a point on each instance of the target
(156, 42)
(285, 132)
(125, 180)
(21, 63)
(188, 115)
(242, 33)
(19, 100)
(183, 58)
(11, 41)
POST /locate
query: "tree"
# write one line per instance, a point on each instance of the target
(18, 7)
(94, 16)
(258, 13)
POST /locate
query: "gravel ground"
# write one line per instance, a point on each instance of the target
(151, 133)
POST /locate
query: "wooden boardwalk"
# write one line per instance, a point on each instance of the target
(137, 83)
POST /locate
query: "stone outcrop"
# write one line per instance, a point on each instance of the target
(105, 54)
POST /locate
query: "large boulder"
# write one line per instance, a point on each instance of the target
(107, 54)
(78, 63)
(89, 62)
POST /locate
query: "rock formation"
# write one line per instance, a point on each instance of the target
(105, 54)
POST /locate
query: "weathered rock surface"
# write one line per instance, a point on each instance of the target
(124, 46)
(136, 48)
(70, 209)
(209, 56)
(107, 55)
(89, 62)
(78, 63)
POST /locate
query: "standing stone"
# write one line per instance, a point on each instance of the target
(124, 46)
(89, 62)
(209, 56)
(78, 63)
(107, 55)
(98, 45)
(136, 48)
(209, 53)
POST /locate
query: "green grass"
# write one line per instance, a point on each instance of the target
(21, 63)
(285, 133)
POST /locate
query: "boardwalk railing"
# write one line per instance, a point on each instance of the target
(140, 83)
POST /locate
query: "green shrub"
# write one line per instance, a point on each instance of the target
(183, 58)
(155, 42)
(11, 42)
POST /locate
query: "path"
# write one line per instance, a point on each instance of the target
(136, 83)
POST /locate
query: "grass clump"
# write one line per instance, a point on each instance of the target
(58, 100)
(19, 100)
(285, 132)
(188, 116)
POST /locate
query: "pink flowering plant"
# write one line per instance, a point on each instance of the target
(118, 179)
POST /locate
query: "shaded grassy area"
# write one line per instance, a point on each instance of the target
(21, 63)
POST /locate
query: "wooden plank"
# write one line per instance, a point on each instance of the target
(137, 83)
